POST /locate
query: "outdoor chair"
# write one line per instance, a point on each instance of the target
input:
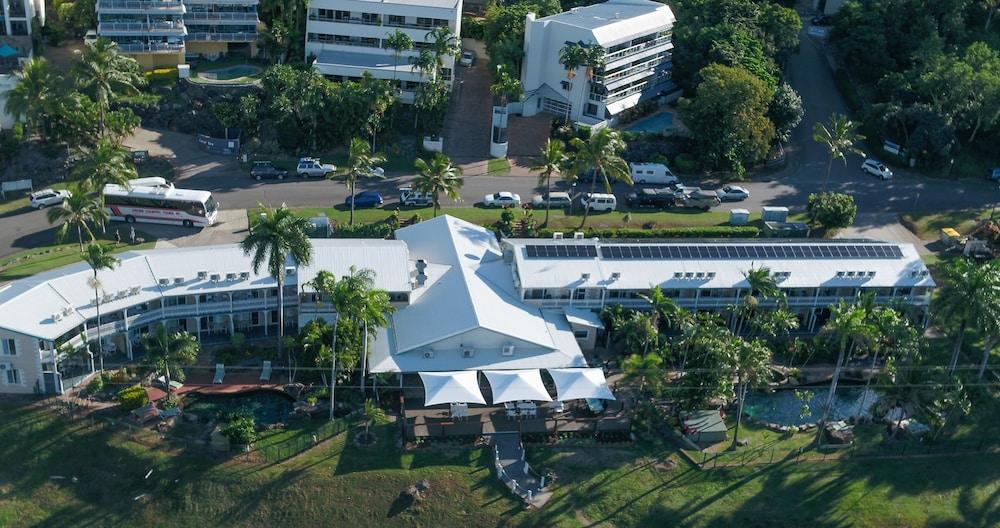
(265, 373)
(220, 372)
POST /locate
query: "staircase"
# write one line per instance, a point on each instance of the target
(514, 472)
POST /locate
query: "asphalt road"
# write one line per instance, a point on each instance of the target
(807, 71)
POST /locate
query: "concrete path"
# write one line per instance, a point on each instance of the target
(231, 227)
(884, 226)
(514, 472)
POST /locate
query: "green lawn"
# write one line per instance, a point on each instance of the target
(33, 261)
(928, 226)
(497, 165)
(401, 163)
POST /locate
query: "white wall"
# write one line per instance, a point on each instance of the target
(27, 362)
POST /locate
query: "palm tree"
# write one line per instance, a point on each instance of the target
(848, 325)
(108, 162)
(78, 211)
(165, 351)
(105, 73)
(762, 286)
(642, 367)
(361, 164)
(277, 236)
(602, 154)
(661, 306)
(572, 56)
(438, 176)
(373, 414)
(443, 43)
(551, 161)
(356, 297)
(970, 296)
(506, 87)
(99, 258)
(751, 361)
(38, 88)
(399, 43)
(425, 63)
(839, 139)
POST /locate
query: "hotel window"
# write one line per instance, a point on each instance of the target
(13, 376)
(425, 22)
(579, 294)
(9, 348)
(396, 20)
(342, 15)
(566, 85)
(581, 334)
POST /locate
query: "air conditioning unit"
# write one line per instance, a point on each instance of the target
(688, 274)
(67, 310)
(202, 275)
(164, 282)
(134, 290)
(840, 273)
(557, 236)
(178, 281)
(231, 276)
(616, 275)
(585, 276)
(508, 350)
(678, 274)
(711, 274)
(871, 273)
(700, 275)
(578, 235)
(57, 317)
(428, 354)
(468, 353)
(244, 275)
(4, 366)
(850, 274)
(215, 277)
(289, 270)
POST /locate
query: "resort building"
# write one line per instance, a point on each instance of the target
(464, 301)
(636, 36)
(346, 38)
(159, 33)
(15, 45)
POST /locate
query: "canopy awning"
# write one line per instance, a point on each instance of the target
(451, 387)
(582, 317)
(516, 385)
(580, 383)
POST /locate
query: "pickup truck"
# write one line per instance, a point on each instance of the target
(695, 198)
(652, 198)
(311, 167)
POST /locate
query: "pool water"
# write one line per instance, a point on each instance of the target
(268, 407)
(655, 123)
(232, 72)
(783, 408)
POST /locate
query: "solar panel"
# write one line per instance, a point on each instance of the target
(560, 251)
(744, 252)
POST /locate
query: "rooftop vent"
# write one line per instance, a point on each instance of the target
(57, 316)
(289, 270)
(244, 275)
(468, 353)
(67, 310)
(700, 275)
(508, 350)
(871, 273)
(421, 264)
(178, 281)
(616, 275)
(215, 277)
(557, 236)
(164, 282)
(578, 235)
(678, 274)
(428, 354)
(231, 276)
(711, 274)
(688, 274)
(202, 275)
(421, 279)
(134, 290)
(585, 276)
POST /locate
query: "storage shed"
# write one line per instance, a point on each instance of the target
(705, 427)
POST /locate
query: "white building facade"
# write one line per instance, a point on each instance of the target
(349, 37)
(637, 38)
(15, 45)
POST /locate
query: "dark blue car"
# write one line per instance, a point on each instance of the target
(365, 199)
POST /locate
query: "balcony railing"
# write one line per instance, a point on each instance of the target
(223, 2)
(150, 47)
(171, 28)
(155, 6)
(222, 37)
(646, 67)
(384, 23)
(631, 50)
(221, 16)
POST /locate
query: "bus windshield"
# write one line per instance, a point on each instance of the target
(211, 205)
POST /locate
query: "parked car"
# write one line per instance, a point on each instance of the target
(90, 37)
(266, 170)
(821, 20)
(502, 199)
(46, 197)
(732, 193)
(311, 167)
(657, 173)
(365, 199)
(876, 168)
(993, 174)
(699, 199)
(599, 202)
(652, 198)
(468, 59)
(413, 198)
(555, 200)
(376, 172)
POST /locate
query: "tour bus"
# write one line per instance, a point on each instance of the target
(160, 205)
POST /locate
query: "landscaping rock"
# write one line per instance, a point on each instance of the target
(743, 442)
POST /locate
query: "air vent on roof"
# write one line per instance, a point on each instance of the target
(468, 353)
(231, 276)
(711, 274)
(508, 350)
(215, 277)
(585, 276)
(700, 275)
(57, 317)
(578, 235)
(678, 274)
(67, 310)
(202, 275)
(289, 270)
(840, 273)
(178, 280)
(428, 354)
(134, 290)
(871, 273)
(244, 275)
(616, 275)
(557, 235)
(421, 264)
(164, 282)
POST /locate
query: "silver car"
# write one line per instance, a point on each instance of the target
(876, 168)
(44, 198)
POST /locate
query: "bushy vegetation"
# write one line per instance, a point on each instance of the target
(373, 230)
(832, 210)
(132, 397)
(667, 232)
(240, 427)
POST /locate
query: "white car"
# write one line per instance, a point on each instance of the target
(732, 193)
(876, 168)
(502, 199)
(44, 198)
(556, 200)
(90, 37)
(467, 59)
(309, 167)
(376, 172)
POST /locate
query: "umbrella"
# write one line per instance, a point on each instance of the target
(515, 385)
(581, 383)
(451, 387)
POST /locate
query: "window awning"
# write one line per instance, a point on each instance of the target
(451, 387)
(581, 383)
(516, 385)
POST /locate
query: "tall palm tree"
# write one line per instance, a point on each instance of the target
(438, 176)
(108, 162)
(277, 236)
(99, 258)
(38, 89)
(849, 325)
(166, 351)
(399, 43)
(551, 160)
(361, 164)
(425, 63)
(602, 154)
(78, 211)
(442, 44)
(970, 296)
(506, 86)
(356, 297)
(662, 306)
(572, 56)
(751, 360)
(761, 285)
(839, 139)
(105, 73)
(642, 367)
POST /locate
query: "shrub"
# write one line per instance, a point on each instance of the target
(376, 230)
(472, 28)
(669, 232)
(240, 427)
(132, 397)
(832, 210)
(96, 385)
(685, 162)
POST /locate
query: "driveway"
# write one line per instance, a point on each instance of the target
(467, 125)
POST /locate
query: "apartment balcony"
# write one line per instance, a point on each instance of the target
(150, 47)
(222, 37)
(222, 2)
(657, 44)
(222, 17)
(165, 7)
(383, 23)
(141, 28)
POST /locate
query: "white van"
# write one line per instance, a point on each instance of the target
(657, 173)
(410, 197)
(599, 201)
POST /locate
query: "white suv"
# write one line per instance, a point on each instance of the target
(309, 167)
(876, 168)
(44, 198)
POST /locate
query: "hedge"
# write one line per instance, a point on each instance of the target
(376, 230)
(132, 397)
(666, 232)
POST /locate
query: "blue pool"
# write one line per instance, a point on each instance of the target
(267, 406)
(783, 408)
(658, 122)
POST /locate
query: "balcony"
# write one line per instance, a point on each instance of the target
(150, 47)
(222, 37)
(222, 2)
(221, 17)
(141, 28)
(360, 21)
(638, 48)
(141, 6)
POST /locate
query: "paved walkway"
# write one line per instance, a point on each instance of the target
(514, 472)
(467, 125)
(231, 227)
(884, 226)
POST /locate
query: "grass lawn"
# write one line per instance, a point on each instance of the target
(497, 165)
(928, 226)
(395, 163)
(32, 261)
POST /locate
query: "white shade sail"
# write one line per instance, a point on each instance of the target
(451, 387)
(516, 385)
(580, 383)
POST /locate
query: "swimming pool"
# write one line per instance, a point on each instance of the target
(655, 123)
(783, 408)
(232, 72)
(267, 406)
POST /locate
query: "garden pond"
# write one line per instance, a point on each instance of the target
(268, 407)
(783, 407)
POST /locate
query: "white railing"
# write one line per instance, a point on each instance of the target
(222, 37)
(169, 6)
(150, 47)
(220, 16)
(141, 27)
(658, 41)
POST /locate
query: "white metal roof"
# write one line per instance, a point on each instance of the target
(389, 259)
(615, 20)
(169, 193)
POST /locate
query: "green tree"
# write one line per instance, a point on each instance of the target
(551, 161)
(751, 361)
(431, 103)
(848, 325)
(662, 307)
(785, 112)
(969, 296)
(644, 367)
(361, 163)
(639, 333)
(728, 118)
(832, 210)
(505, 86)
(762, 286)
(104, 73)
(437, 177)
(601, 153)
(840, 139)
(37, 92)
(99, 258)
(277, 235)
(166, 351)
(373, 414)
(399, 43)
(108, 162)
(443, 43)
(79, 211)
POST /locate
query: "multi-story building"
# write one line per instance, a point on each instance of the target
(15, 44)
(162, 32)
(348, 37)
(463, 300)
(636, 37)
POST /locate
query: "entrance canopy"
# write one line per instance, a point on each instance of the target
(581, 383)
(516, 385)
(451, 387)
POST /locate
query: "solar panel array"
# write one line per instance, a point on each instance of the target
(717, 252)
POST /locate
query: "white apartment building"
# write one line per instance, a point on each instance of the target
(636, 35)
(463, 300)
(348, 38)
(15, 45)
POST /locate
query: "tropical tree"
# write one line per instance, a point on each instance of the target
(848, 325)
(438, 176)
(551, 161)
(751, 361)
(105, 73)
(166, 351)
(762, 286)
(572, 56)
(506, 86)
(99, 258)
(661, 305)
(643, 367)
(614, 317)
(361, 163)
(424, 63)
(970, 296)
(108, 162)
(399, 43)
(602, 154)
(79, 211)
(36, 93)
(277, 235)
(639, 332)
(840, 139)
(373, 414)
(442, 43)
